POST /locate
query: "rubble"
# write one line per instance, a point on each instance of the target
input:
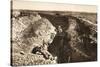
(29, 32)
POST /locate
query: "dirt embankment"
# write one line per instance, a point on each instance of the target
(36, 38)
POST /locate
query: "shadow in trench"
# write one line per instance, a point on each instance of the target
(61, 48)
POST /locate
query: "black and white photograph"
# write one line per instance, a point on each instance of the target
(52, 33)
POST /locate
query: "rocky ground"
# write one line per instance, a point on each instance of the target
(43, 37)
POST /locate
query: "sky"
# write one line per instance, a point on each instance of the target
(46, 6)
